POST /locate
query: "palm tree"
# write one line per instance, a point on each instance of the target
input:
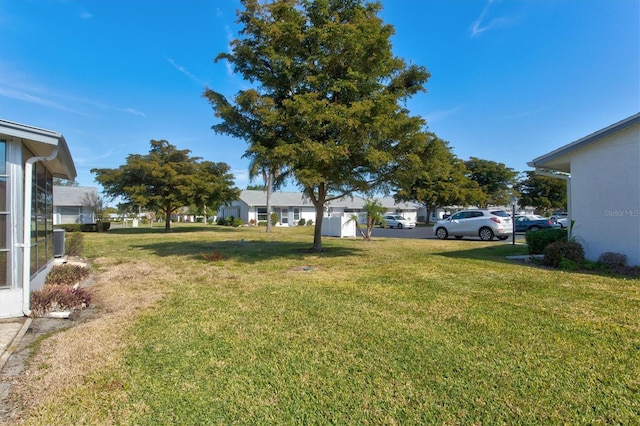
(272, 175)
(375, 214)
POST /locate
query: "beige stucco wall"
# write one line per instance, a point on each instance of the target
(605, 195)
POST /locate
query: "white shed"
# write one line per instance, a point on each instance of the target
(603, 172)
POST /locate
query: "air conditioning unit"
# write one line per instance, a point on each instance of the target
(58, 242)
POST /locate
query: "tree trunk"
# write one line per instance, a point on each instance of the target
(167, 221)
(269, 191)
(318, 202)
(317, 232)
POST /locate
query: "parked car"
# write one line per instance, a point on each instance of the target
(485, 224)
(397, 221)
(528, 222)
(560, 217)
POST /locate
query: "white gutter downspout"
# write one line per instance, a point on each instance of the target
(26, 226)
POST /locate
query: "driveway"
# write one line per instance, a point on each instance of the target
(424, 232)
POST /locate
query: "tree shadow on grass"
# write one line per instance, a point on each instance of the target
(249, 251)
(145, 229)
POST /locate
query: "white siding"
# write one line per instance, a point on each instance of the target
(605, 195)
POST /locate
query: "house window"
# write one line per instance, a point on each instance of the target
(296, 214)
(262, 214)
(284, 216)
(41, 218)
(4, 217)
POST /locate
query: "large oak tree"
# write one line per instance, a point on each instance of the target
(327, 102)
(166, 179)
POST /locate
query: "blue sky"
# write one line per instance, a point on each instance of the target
(511, 79)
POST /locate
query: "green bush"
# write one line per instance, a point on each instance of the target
(230, 221)
(70, 227)
(262, 223)
(225, 221)
(274, 218)
(538, 240)
(66, 274)
(85, 227)
(301, 222)
(74, 243)
(558, 251)
(310, 222)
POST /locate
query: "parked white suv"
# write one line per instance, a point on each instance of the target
(485, 224)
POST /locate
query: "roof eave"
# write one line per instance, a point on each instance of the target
(42, 142)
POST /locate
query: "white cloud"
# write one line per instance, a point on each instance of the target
(439, 115)
(85, 15)
(28, 97)
(14, 86)
(184, 71)
(229, 50)
(484, 23)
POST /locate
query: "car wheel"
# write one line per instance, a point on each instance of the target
(399, 226)
(503, 237)
(458, 237)
(533, 228)
(486, 234)
(442, 233)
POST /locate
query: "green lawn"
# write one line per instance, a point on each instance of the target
(391, 331)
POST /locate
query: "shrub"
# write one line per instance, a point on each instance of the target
(70, 227)
(226, 221)
(538, 240)
(301, 222)
(237, 222)
(262, 223)
(310, 222)
(274, 218)
(568, 265)
(555, 252)
(61, 298)
(74, 243)
(66, 274)
(613, 260)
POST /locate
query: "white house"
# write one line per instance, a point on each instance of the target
(290, 207)
(30, 158)
(603, 173)
(71, 204)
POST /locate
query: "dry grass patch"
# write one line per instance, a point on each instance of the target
(66, 359)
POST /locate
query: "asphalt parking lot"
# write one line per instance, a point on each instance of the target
(424, 232)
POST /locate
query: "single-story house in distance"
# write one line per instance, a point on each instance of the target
(72, 204)
(30, 157)
(603, 191)
(290, 207)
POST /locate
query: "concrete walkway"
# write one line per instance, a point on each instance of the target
(11, 332)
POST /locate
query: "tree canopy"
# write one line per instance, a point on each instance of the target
(542, 192)
(438, 179)
(496, 181)
(328, 98)
(166, 179)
